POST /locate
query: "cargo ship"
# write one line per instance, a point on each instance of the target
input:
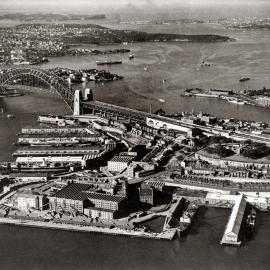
(187, 218)
(108, 62)
(15, 168)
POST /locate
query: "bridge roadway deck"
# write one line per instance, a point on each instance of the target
(140, 116)
(130, 113)
(121, 111)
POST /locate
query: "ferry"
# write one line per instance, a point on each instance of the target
(108, 62)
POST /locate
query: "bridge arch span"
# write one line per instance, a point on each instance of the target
(56, 84)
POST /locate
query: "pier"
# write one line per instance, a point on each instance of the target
(58, 152)
(232, 231)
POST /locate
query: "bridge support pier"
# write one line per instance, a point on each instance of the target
(77, 102)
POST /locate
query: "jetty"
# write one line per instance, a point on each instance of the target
(232, 231)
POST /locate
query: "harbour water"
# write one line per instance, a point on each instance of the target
(28, 248)
(165, 70)
(26, 110)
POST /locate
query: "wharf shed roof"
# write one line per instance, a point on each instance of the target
(237, 215)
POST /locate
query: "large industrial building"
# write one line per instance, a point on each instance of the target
(27, 200)
(119, 163)
(83, 199)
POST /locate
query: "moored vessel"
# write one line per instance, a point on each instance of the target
(108, 62)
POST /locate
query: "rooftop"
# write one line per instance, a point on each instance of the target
(125, 159)
(237, 214)
(78, 191)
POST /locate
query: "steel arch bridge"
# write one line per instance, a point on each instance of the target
(39, 77)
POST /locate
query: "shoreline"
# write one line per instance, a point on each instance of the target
(168, 235)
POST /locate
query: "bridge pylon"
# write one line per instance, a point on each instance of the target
(77, 103)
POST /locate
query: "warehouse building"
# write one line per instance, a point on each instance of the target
(82, 199)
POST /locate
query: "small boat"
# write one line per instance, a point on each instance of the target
(161, 100)
(244, 79)
(6, 115)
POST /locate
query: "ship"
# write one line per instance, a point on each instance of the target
(236, 101)
(187, 218)
(250, 223)
(38, 169)
(108, 62)
(243, 79)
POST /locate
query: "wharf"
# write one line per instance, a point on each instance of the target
(167, 235)
(193, 185)
(232, 231)
(57, 151)
(55, 130)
